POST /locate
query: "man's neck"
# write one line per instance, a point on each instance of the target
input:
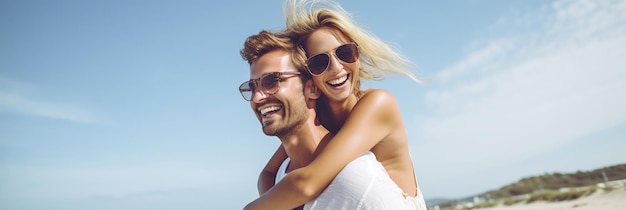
(302, 146)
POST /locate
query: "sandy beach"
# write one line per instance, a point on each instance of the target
(606, 196)
(606, 200)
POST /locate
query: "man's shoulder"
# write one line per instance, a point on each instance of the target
(360, 167)
(363, 183)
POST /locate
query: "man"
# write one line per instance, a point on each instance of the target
(285, 106)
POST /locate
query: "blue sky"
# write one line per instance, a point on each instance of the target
(134, 104)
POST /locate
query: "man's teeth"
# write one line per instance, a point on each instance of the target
(338, 81)
(269, 109)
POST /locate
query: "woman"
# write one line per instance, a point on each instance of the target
(340, 54)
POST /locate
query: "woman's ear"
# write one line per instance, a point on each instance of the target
(311, 91)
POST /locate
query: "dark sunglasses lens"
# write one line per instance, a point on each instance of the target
(347, 53)
(246, 90)
(269, 83)
(318, 63)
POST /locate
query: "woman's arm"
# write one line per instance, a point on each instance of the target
(268, 174)
(370, 121)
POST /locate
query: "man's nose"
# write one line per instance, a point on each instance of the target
(258, 96)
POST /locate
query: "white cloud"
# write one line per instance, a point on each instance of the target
(12, 98)
(520, 94)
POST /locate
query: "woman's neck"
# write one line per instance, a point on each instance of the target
(340, 110)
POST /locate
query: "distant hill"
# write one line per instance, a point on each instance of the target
(437, 201)
(548, 181)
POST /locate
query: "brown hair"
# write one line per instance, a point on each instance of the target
(265, 41)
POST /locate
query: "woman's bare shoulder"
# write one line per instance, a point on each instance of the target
(378, 95)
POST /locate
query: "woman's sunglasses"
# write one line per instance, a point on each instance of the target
(347, 53)
(268, 83)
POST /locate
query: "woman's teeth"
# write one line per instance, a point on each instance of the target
(338, 81)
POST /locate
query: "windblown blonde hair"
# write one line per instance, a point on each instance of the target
(377, 58)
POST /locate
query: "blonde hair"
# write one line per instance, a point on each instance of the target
(377, 58)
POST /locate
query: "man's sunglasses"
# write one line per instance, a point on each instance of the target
(268, 83)
(347, 53)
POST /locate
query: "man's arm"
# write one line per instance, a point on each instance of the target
(268, 174)
(370, 121)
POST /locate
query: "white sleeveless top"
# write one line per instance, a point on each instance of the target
(282, 171)
(362, 184)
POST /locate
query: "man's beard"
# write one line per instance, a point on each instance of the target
(281, 130)
(293, 119)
